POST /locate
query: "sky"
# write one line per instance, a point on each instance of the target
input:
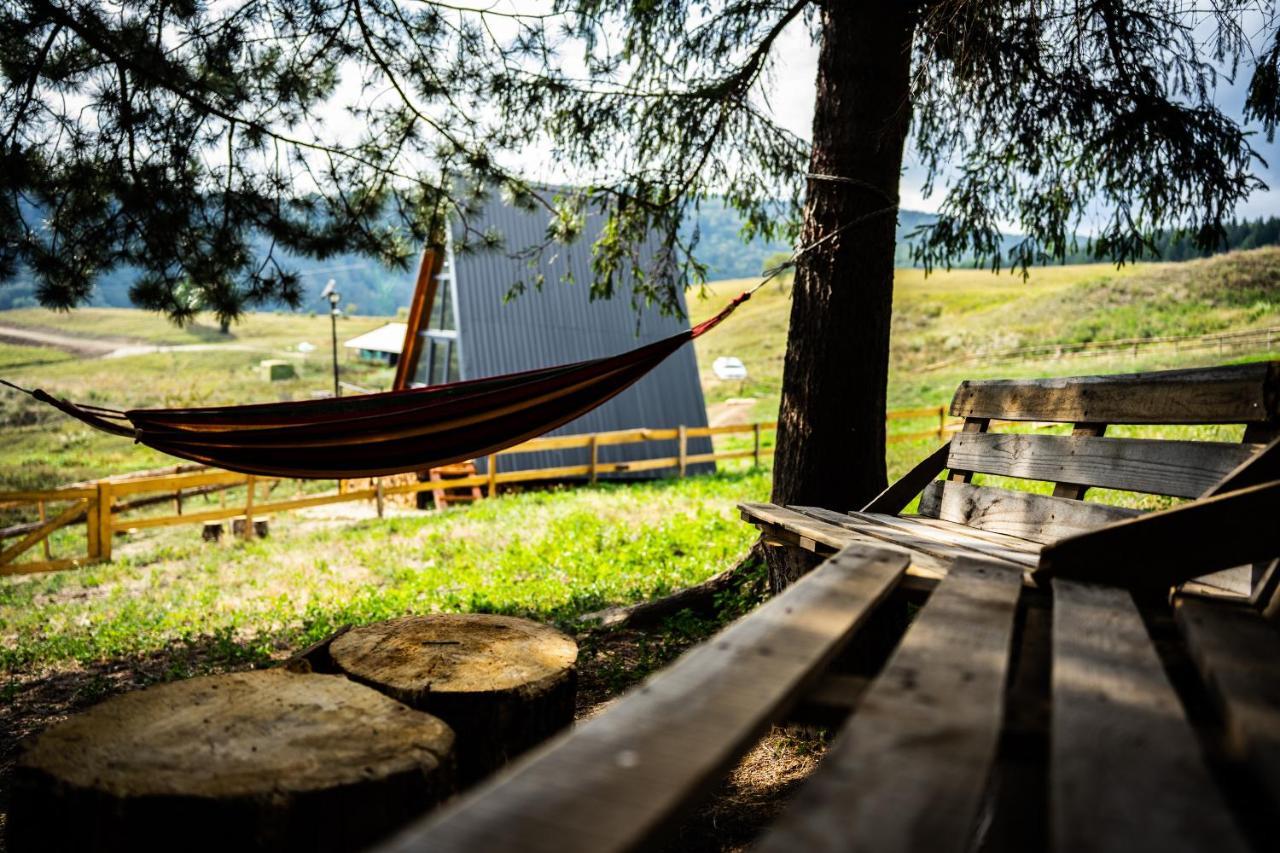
(792, 94)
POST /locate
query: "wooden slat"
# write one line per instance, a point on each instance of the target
(1180, 468)
(921, 535)
(1235, 394)
(1126, 771)
(896, 497)
(43, 566)
(1076, 491)
(1172, 546)
(1238, 654)
(1025, 545)
(931, 554)
(616, 780)
(908, 770)
(832, 535)
(1040, 518)
(971, 425)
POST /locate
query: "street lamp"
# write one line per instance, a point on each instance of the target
(331, 293)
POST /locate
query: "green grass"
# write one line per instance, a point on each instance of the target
(550, 555)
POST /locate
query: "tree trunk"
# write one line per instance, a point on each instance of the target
(830, 449)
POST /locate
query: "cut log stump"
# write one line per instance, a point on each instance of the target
(267, 760)
(503, 684)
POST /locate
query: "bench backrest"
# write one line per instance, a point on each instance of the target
(1237, 394)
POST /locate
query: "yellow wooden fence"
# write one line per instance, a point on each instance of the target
(103, 506)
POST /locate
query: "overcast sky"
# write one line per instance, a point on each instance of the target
(792, 104)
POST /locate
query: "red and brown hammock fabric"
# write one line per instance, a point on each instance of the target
(392, 432)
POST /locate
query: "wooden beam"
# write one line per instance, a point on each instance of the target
(424, 295)
(1172, 546)
(1126, 769)
(909, 769)
(1243, 393)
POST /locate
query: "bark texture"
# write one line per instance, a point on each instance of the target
(503, 684)
(267, 760)
(831, 432)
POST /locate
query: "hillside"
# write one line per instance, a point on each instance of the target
(948, 314)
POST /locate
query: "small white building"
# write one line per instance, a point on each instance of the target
(383, 344)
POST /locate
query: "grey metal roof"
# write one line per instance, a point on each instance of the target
(561, 324)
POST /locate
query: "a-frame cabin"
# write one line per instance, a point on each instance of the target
(461, 326)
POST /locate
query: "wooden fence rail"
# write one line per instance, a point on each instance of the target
(105, 506)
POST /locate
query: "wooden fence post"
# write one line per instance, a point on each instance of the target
(755, 429)
(45, 540)
(92, 529)
(248, 508)
(493, 475)
(377, 485)
(104, 519)
(684, 448)
(942, 423)
(595, 456)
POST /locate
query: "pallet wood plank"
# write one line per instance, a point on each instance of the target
(818, 530)
(1008, 541)
(1242, 393)
(1182, 469)
(1039, 518)
(1126, 772)
(922, 547)
(616, 780)
(1260, 467)
(1028, 558)
(908, 770)
(1175, 545)
(1238, 655)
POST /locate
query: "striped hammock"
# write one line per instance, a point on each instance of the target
(391, 432)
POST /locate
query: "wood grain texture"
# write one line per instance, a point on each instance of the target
(1179, 468)
(956, 540)
(927, 550)
(909, 769)
(503, 684)
(1126, 772)
(1040, 518)
(1172, 546)
(1234, 394)
(619, 778)
(265, 760)
(1238, 655)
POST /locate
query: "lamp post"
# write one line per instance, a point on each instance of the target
(330, 292)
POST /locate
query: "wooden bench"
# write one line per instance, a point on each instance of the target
(1061, 683)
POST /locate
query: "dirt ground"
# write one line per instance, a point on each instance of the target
(610, 663)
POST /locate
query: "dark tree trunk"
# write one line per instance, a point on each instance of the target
(831, 423)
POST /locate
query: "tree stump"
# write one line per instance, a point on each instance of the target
(266, 760)
(503, 684)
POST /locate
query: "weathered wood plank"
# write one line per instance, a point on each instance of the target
(1077, 491)
(1238, 654)
(896, 497)
(1183, 469)
(813, 529)
(1040, 518)
(1234, 394)
(1126, 772)
(1014, 542)
(1172, 546)
(924, 542)
(908, 770)
(616, 780)
(978, 548)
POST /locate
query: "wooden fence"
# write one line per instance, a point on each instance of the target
(109, 506)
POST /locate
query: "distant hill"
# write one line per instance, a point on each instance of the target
(373, 289)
